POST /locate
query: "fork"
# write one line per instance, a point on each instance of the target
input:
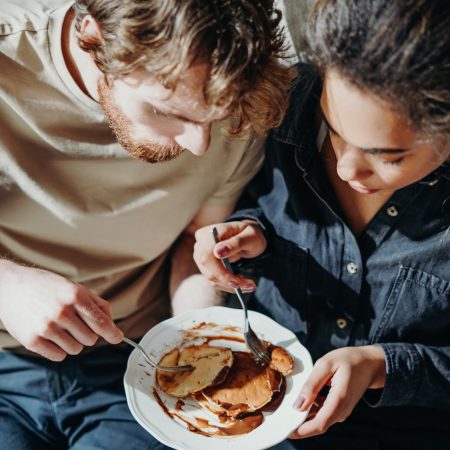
(184, 368)
(260, 352)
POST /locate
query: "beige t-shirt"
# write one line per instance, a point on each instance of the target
(72, 201)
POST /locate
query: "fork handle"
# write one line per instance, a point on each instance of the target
(229, 267)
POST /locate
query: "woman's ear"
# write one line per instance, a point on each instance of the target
(90, 32)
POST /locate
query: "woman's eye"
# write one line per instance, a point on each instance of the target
(395, 162)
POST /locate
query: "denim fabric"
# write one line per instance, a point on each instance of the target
(77, 404)
(390, 285)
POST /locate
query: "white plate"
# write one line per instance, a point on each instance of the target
(139, 382)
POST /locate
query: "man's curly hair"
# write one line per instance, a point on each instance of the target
(240, 40)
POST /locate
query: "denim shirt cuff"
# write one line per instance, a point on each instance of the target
(403, 369)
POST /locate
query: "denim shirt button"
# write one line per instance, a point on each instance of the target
(392, 211)
(341, 323)
(352, 268)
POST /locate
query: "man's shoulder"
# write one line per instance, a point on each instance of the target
(26, 15)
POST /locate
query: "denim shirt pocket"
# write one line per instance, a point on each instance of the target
(417, 310)
(282, 285)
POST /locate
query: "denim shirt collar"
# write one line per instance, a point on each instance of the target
(298, 128)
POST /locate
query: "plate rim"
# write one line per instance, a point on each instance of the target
(134, 407)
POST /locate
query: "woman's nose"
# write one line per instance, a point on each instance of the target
(195, 138)
(352, 166)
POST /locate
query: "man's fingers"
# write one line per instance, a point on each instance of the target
(79, 330)
(98, 321)
(47, 349)
(62, 339)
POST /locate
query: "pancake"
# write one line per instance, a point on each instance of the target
(247, 388)
(281, 360)
(211, 366)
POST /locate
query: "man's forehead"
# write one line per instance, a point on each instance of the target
(190, 82)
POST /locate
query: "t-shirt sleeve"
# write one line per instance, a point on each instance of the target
(239, 174)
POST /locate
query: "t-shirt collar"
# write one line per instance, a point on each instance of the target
(55, 41)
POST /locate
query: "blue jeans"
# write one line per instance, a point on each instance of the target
(77, 404)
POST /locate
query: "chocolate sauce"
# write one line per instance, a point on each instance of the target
(241, 426)
(277, 397)
(179, 405)
(229, 426)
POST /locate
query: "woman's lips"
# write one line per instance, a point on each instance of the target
(363, 190)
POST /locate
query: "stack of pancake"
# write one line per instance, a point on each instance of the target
(228, 383)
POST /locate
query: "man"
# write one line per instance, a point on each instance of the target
(91, 235)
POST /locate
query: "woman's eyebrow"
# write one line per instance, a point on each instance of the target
(370, 151)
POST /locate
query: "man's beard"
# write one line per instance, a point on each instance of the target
(143, 149)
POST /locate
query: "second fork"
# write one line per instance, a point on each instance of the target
(256, 346)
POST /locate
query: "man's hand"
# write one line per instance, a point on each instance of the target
(241, 239)
(51, 315)
(349, 372)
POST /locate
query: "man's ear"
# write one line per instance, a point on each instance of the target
(90, 32)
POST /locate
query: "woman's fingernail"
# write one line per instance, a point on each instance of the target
(223, 251)
(248, 288)
(299, 402)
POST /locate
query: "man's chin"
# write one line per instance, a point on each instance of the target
(155, 153)
(142, 149)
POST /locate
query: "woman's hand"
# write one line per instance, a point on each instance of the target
(51, 315)
(242, 239)
(349, 372)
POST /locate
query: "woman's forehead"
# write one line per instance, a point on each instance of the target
(361, 117)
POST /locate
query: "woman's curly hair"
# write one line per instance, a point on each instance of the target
(241, 41)
(397, 49)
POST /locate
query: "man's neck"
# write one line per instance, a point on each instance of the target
(79, 63)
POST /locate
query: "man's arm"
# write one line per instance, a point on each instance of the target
(188, 288)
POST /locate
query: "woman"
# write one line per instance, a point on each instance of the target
(347, 231)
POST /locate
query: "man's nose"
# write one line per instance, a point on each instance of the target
(352, 166)
(195, 138)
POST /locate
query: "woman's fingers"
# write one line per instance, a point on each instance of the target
(247, 241)
(335, 409)
(237, 240)
(350, 372)
(320, 375)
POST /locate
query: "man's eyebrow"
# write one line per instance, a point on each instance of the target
(370, 151)
(160, 113)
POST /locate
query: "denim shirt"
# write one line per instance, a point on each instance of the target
(390, 285)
